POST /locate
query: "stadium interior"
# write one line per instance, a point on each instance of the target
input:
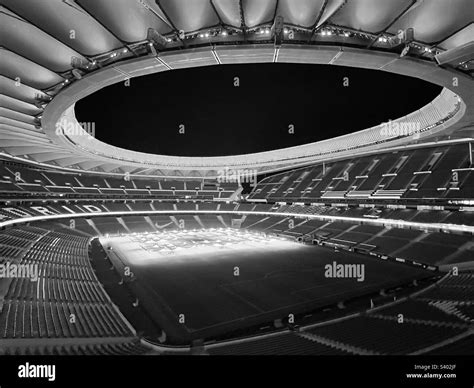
(357, 245)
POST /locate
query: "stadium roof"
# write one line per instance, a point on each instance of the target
(55, 52)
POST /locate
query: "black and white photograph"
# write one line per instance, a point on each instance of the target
(197, 191)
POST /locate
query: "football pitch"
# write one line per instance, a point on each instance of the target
(210, 280)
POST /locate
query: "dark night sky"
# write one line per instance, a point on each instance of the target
(221, 119)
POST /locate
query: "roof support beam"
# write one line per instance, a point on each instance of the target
(243, 26)
(318, 22)
(176, 31)
(404, 11)
(221, 22)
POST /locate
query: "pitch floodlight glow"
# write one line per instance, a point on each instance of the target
(176, 246)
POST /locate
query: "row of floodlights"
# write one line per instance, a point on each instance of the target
(266, 31)
(260, 31)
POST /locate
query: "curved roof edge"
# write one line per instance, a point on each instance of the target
(450, 110)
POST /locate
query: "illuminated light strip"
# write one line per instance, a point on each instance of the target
(378, 221)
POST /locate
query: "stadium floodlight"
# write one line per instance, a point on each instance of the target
(405, 51)
(156, 39)
(277, 30)
(37, 122)
(76, 73)
(152, 49)
(80, 66)
(80, 63)
(41, 101)
(402, 37)
(457, 55)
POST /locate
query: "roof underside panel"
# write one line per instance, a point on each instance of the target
(25, 71)
(33, 151)
(435, 20)
(15, 115)
(228, 11)
(6, 132)
(70, 160)
(459, 38)
(19, 91)
(258, 12)
(369, 15)
(68, 23)
(16, 123)
(127, 20)
(89, 164)
(190, 15)
(18, 105)
(29, 41)
(329, 10)
(303, 13)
